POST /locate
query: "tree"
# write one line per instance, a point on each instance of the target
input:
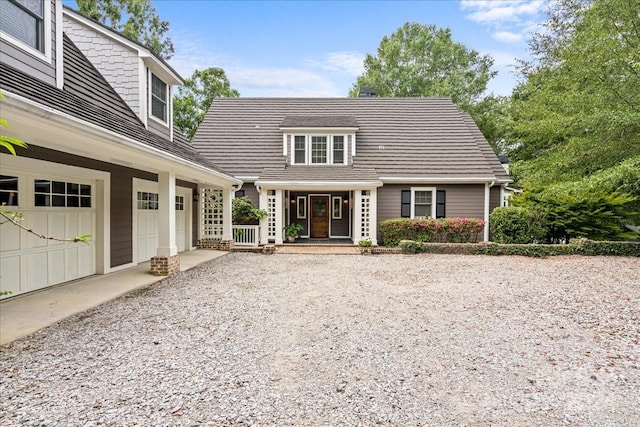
(422, 60)
(193, 99)
(575, 119)
(136, 19)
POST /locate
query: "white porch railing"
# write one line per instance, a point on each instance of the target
(246, 235)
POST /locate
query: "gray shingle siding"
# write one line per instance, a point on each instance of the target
(117, 64)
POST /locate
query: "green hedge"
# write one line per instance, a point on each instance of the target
(444, 230)
(581, 247)
(511, 224)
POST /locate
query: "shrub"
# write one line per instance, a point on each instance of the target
(430, 230)
(580, 247)
(512, 224)
(244, 213)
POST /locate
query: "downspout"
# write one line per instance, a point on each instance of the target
(487, 194)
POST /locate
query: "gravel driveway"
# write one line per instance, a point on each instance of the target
(390, 340)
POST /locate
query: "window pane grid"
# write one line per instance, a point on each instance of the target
(318, 149)
(300, 149)
(422, 203)
(147, 201)
(158, 98)
(61, 194)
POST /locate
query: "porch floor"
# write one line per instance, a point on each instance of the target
(320, 242)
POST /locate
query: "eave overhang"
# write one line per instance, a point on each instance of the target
(101, 144)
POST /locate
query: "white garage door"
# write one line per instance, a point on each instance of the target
(57, 207)
(147, 220)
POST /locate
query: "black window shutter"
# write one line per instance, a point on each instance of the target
(441, 199)
(405, 211)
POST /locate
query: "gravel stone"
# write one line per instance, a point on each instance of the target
(391, 340)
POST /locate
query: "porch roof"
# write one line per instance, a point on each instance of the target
(320, 175)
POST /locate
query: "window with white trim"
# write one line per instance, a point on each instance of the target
(302, 207)
(338, 150)
(158, 98)
(423, 202)
(318, 150)
(61, 194)
(336, 211)
(24, 21)
(300, 149)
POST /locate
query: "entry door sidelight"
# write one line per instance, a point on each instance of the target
(319, 217)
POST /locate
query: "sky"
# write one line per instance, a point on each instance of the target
(316, 48)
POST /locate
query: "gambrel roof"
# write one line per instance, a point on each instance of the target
(398, 138)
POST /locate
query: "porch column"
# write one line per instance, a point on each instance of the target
(373, 216)
(357, 216)
(264, 222)
(487, 198)
(279, 216)
(166, 261)
(227, 207)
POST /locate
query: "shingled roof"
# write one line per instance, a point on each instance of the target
(426, 138)
(86, 95)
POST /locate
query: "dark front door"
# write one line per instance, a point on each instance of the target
(319, 216)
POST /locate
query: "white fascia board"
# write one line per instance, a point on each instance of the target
(172, 161)
(421, 180)
(320, 130)
(324, 185)
(59, 45)
(247, 178)
(149, 57)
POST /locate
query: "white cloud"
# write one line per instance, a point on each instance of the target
(510, 21)
(281, 82)
(254, 80)
(500, 11)
(351, 63)
(507, 37)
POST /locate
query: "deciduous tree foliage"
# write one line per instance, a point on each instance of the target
(193, 99)
(423, 60)
(136, 19)
(575, 119)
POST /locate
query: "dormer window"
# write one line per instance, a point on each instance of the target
(158, 98)
(23, 21)
(318, 150)
(319, 140)
(338, 149)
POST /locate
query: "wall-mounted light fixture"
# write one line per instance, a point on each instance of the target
(196, 197)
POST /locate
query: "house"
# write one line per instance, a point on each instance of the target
(340, 166)
(103, 159)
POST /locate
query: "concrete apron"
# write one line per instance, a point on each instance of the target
(25, 314)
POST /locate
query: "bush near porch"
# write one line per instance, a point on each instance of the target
(442, 230)
(579, 247)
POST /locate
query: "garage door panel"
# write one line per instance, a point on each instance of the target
(71, 263)
(38, 267)
(10, 277)
(57, 226)
(39, 222)
(86, 263)
(9, 238)
(56, 264)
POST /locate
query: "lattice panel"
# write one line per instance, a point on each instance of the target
(271, 210)
(365, 211)
(212, 206)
